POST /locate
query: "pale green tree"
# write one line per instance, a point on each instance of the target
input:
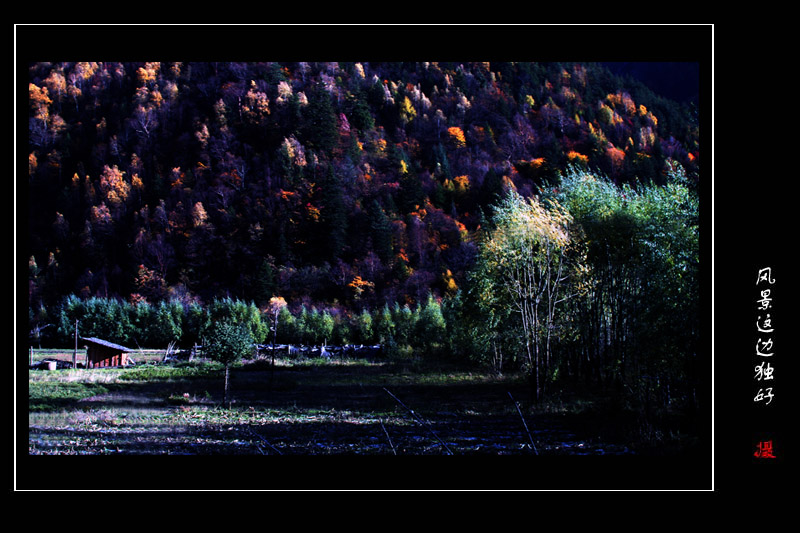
(523, 262)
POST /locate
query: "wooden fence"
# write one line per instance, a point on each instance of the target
(63, 358)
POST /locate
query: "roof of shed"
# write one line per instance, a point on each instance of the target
(101, 342)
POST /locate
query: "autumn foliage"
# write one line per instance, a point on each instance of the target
(329, 184)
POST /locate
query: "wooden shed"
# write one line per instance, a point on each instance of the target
(101, 353)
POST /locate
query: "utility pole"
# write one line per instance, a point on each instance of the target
(274, 334)
(75, 353)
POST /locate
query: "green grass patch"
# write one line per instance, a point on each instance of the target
(51, 395)
(177, 372)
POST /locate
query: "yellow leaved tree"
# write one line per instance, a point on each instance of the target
(522, 262)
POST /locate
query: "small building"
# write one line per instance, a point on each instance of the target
(100, 353)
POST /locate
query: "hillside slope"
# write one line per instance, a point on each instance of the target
(348, 184)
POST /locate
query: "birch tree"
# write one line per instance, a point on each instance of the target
(523, 260)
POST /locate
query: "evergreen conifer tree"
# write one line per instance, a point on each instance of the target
(332, 215)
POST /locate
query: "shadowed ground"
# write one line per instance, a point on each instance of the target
(319, 409)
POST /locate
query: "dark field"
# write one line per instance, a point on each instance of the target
(310, 407)
(323, 408)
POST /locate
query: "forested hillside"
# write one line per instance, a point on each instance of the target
(343, 186)
(533, 217)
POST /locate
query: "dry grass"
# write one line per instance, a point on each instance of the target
(95, 375)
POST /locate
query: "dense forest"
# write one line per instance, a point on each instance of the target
(352, 185)
(523, 215)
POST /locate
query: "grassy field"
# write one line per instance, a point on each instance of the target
(308, 407)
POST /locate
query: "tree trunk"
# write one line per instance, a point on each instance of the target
(225, 400)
